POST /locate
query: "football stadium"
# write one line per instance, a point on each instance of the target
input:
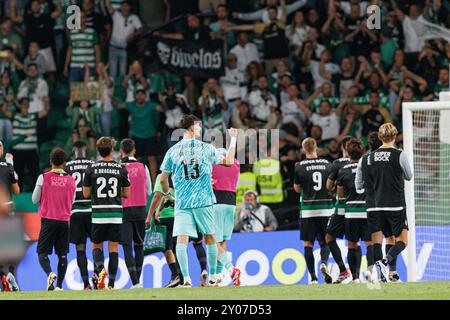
(224, 150)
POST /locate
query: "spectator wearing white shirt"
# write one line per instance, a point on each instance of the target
(291, 110)
(297, 31)
(34, 56)
(326, 118)
(262, 102)
(34, 88)
(126, 28)
(233, 84)
(245, 51)
(263, 14)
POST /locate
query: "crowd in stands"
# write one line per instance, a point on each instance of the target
(309, 68)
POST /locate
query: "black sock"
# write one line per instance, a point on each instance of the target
(82, 265)
(139, 259)
(173, 269)
(201, 255)
(62, 268)
(309, 257)
(393, 262)
(44, 261)
(394, 252)
(99, 259)
(377, 252)
(358, 260)
(324, 253)
(337, 255)
(112, 267)
(369, 255)
(352, 261)
(129, 261)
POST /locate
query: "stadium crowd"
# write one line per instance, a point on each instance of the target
(309, 68)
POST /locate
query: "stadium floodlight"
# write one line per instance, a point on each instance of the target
(426, 140)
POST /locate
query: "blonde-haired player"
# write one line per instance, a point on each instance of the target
(388, 167)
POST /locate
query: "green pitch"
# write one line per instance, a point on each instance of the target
(423, 290)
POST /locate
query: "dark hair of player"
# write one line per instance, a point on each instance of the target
(105, 146)
(127, 146)
(188, 121)
(355, 149)
(79, 149)
(309, 145)
(374, 141)
(344, 141)
(57, 157)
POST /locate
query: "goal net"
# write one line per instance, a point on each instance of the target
(426, 132)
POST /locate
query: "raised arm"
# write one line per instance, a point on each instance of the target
(283, 11)
(400, 14)
(231, 152)
(109, 7)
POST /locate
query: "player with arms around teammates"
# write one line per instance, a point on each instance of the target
(356, 227)
(134, 211)
(225, 179)
(106, 183)
(388, 167)
(55, 193)
(80, 217)
(190, 164)
(336, 224)
(316, 204)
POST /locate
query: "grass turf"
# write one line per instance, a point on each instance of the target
(403, 291)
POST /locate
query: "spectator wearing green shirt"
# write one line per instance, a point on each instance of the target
(83, 48)
(143, 129)
(162, 210)
(388, 47)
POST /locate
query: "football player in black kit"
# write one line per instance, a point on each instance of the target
(356, 227)
(105, 183)
(80, 217)
(316, 204)
(9, 184)
(361, 176)
(336, 224)
(387, 169)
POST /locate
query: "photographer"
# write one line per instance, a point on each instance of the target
(212, 104)
(256, 217)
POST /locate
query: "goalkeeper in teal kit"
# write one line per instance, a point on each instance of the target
(190, 164)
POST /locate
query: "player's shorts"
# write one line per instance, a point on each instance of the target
(336, 225)
(357, 229)
(133, 231)
(53, 234)
(391, 223)
(189, 220)
(313, 228)
(170, 240)
(80, 227)
(106, 232)
(224, 221)
(198, 238)
(146, 147)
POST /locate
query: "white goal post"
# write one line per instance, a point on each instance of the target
(434, 116)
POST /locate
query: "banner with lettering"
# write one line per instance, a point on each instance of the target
(195, 59)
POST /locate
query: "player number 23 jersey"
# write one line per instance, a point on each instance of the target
(106, 179)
